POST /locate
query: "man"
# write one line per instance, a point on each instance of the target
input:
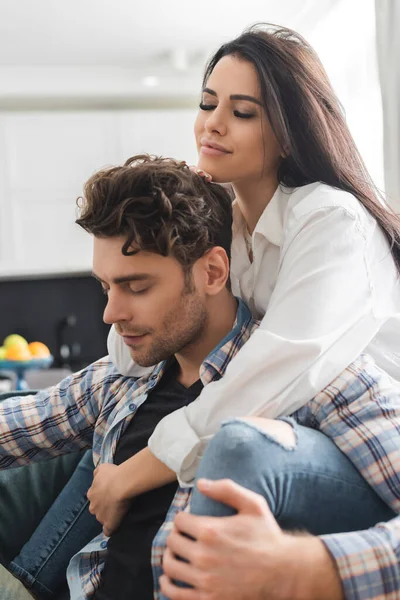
(161, 246)
(161, 253)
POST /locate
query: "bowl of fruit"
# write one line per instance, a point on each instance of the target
(17, 355)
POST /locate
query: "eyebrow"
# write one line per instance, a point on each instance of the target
(234, 96)
(127, 278)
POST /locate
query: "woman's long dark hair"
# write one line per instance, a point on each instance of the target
(307, 119)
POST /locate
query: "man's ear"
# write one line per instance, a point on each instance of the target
(216, 270)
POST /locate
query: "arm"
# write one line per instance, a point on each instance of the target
(362, 564)
(319, 319)
(367, 561)
(54, 421)
(245, 556)
(114, 486)
(360, 412)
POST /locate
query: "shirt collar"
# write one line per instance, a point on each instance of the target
(270, 224)
(215, 364)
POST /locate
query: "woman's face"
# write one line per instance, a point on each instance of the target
(234, 139)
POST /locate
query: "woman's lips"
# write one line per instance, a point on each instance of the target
(213, 151)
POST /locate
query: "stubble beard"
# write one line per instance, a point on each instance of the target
(182, 327)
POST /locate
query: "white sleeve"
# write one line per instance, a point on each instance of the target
(319, 319)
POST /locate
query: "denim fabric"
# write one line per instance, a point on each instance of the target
(312, 486)
(26, 494)
(65, 529)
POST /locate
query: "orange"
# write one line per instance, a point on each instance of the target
(38, 350)
(18, 353)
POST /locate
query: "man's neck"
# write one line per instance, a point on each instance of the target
(221, 317)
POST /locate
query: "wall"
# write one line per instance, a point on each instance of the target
(45, 157)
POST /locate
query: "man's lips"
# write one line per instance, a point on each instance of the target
(132, 340)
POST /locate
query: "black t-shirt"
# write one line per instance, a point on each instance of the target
(127, 573)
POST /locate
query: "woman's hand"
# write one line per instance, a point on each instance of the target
(106, 498)
(201, 173)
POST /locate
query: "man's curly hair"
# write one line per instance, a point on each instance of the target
(159, 205)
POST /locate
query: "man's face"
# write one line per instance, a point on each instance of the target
(155, 309)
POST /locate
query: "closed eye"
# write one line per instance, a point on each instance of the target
(237, 113)
(138, 292)
(203, 106)
(243, 115)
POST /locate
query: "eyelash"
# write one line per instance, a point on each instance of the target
(105, 291)
(235, 112)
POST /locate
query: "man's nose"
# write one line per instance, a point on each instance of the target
(117, 309)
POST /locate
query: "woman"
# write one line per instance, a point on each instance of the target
(315, 254)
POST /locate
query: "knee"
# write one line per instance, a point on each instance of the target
(278, 431)
(243, 441)
(234, 443)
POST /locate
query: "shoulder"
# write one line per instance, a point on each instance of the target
(315, 202)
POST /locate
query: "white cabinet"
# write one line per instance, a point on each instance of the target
(45, 157)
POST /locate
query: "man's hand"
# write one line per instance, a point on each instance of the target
(246, 556)
(106, 498)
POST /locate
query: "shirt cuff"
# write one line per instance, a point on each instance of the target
(367, 562)
(178, 446)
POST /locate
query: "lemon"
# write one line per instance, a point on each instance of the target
(15, 340)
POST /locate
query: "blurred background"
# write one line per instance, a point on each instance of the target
(88, 83)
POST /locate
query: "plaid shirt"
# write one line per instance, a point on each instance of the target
(92, 408)
(360, 412)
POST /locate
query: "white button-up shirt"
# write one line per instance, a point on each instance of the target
(325, 285)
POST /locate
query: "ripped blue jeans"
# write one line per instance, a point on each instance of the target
(311, 485)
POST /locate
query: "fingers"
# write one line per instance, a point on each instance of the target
(180, 570)
(243, 500)
(181, 545)
(201, 173)
(107, 532)
(174, 592)
(199, 528)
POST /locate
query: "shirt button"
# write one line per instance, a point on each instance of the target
(132, 406)
(103, 545)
